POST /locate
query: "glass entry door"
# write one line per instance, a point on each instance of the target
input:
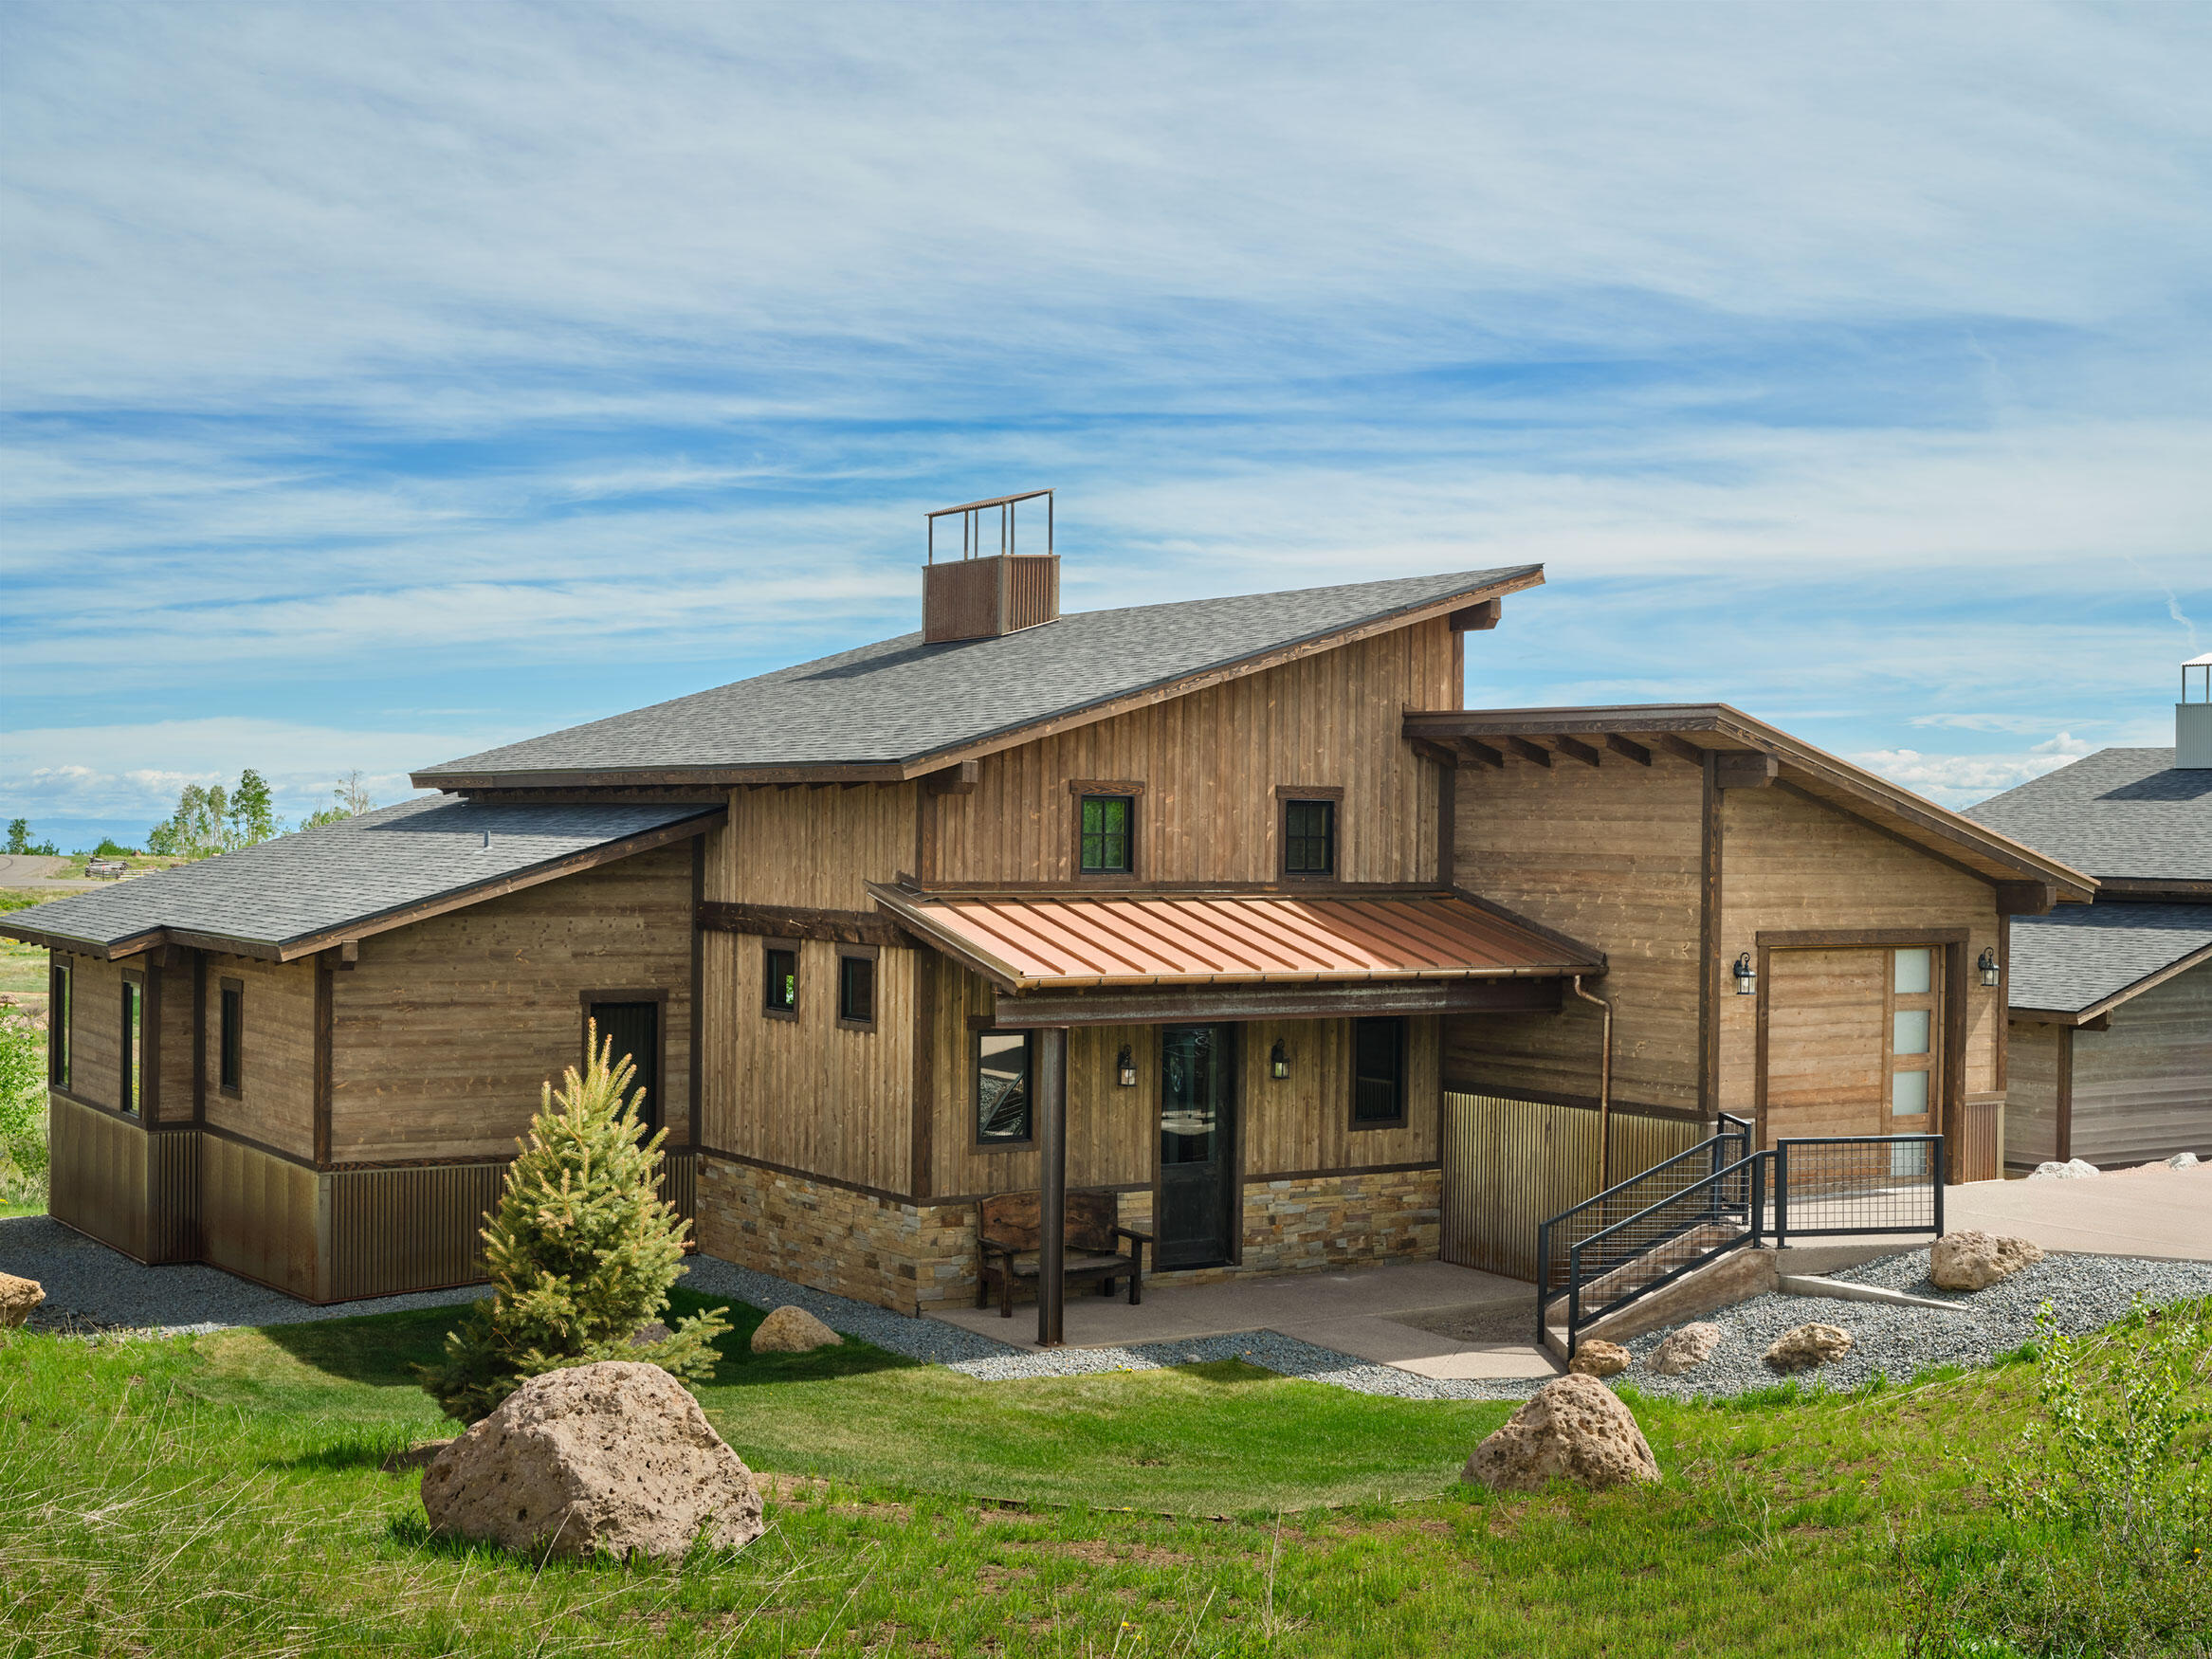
(1198, 1210)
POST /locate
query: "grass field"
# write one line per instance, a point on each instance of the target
(224, 1495)
(22, 968)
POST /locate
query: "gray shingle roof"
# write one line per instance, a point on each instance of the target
(2079, 955)
(899, 701)
(298, 887)
(2120, 815)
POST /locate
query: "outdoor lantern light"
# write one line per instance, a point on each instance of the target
(1279, 1061)
(1988, 966)
(1747, 975)
(1126, 1065)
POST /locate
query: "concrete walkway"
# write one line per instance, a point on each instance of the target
(1377, 1314)
(2156, 1212)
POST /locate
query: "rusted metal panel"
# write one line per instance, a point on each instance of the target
(680, 1183)
(97, 1175)
(173, 1174)
(1979, 1154)
(1069, 942)
(1510, 1164)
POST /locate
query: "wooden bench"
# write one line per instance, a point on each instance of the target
(1007, 1232)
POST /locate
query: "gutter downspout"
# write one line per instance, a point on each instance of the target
(1604, 1086)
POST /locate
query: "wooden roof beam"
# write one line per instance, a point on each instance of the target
(1678, 748)
(1477, 618)
(957, 779)
(1526, 750)
(2026, 898)
(1744, 768)
(1621, 746)
(1437, 754)
(1575, 748)
(1480, 752)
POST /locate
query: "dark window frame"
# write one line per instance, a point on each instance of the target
(131, 1067)
(871, 956)
(654, 994)
(770, 949)
(1287, 797)
(1403, 1080)
(999, 1143)
(61, 1011)
(1081, 790)
(230, 1034)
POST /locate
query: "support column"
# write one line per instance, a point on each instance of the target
(1051, 1084)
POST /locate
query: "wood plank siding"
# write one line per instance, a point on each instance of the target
(258, 1216)
(97, 1180)
(96, 1037)
(274, 1104)
(1609, 855)
(1827, 1068)
(2031, 1094)
(2142, 1089)
(445, 1032)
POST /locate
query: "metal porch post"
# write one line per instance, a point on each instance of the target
(1052, 1103)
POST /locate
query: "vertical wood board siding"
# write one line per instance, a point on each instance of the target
(259, 1215)
(171, 1046)
(97, 1176)
(812, 848)
(397, 1229)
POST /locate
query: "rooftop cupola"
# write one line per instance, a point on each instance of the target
(982, 595)
(2192, 717)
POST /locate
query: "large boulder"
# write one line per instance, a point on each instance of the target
(2073, 1169)
(1685, 1349)
(1805, 1346)
(1599, 1357)
(792, 1330)
(612, 1459)
(1575, 1428)
(17, 1297)
(1974, 1259)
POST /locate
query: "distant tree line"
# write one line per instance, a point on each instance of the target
(212, 819)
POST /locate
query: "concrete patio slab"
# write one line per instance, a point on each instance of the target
(2162, 1213)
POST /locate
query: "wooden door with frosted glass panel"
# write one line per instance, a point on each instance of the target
(1826, 1042)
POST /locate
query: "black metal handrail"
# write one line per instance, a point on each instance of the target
(1715, 1210)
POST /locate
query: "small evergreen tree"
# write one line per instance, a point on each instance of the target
(581, 1249)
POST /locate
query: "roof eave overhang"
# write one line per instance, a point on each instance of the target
(2104, 1004)
(916, 766)
(308, 945)
(1824, 777)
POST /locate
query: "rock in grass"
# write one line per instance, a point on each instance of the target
(1974, 1259)
(1574, 1428)
(612, 1459)
(17, 1297)
(792, 1330)
(1805, 1346)
(1599, 1357)
(1685, 1349)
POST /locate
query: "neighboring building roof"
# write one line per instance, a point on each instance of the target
(899, 708)
(2079, 963)
(1078, 942)
(1627, 734)
(2123, 815)
(302, 893)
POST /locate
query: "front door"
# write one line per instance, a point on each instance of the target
(636, 1027)
(1197, 1217)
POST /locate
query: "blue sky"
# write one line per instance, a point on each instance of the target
(383, 383)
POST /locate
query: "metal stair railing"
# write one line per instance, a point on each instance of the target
(1643, 1252)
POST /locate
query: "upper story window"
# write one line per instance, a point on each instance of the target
(61, 984)
(1107, 846)
(231, 1038)
(1002, 1089)
(780, 980)
(856, 987)
(1309, 835)
(1377, 1073)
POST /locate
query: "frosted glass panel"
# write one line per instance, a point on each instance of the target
(1911, 1033)
(1915, 970)
(1908, 1094)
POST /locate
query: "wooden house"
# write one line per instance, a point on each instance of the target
(2111, 1005)
(1226, 905)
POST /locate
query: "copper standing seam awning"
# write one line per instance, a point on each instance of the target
(1070, 942)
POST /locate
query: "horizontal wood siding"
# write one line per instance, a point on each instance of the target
(1211, 762)
(1511, 1164)
(1828, 1050)
(258, 1216)
(2143, 1089)
(446, 1031)
(1791, 864)
(172, 1043)
(1609, 855)
(97, 1175)
(2031, 1096)
(275, 1103)
(96, 1031)
(806, 1093)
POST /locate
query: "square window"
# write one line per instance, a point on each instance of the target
(1909, 1031)
(1377, 1073)
(856, 990)
(1908, 1094)
(1002, 1089)
(1309, 838)
(231, 1046)
(780, 983)
(1915, 971)
(1107, 845)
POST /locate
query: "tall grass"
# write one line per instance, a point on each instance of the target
(22, 1110)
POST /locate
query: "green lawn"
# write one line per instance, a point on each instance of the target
(224, 1495)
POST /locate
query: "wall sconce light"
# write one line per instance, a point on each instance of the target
(1988, 966)
(1747, 975)
(1126, 1069)
(1279, 1061)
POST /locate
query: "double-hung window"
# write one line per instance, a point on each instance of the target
(1377, 1073)
(1309, 836)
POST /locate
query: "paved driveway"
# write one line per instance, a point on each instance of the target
(2158, 1213)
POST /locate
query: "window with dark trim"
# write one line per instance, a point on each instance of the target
(134, 1059)
(856, 988)
(779, 982)
(61, 982)
(1002, 1089)
(1377, 1073)
(1309, 838)
(1107, 846)
(230, 1038)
